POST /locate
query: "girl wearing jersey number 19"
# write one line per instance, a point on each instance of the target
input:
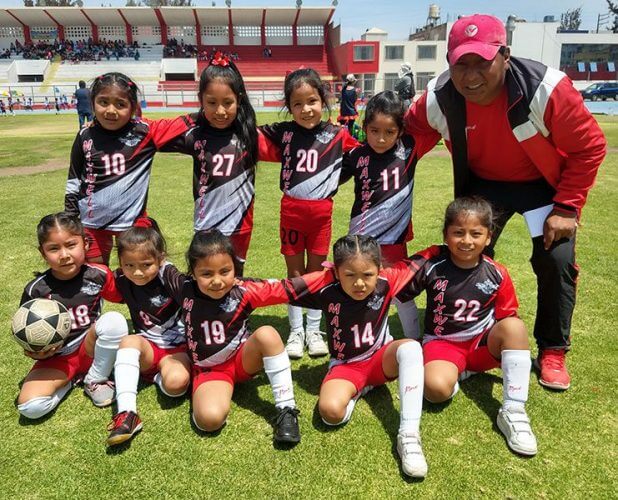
(471, 322)
(311, 155)
(111, 160)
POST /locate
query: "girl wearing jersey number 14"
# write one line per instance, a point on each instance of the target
(311, 155)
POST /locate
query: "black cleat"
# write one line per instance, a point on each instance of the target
(123, 427)
(285, 426)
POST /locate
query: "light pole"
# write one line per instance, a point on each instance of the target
(510, 27)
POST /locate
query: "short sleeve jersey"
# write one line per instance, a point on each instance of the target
(109, 174)
(223, 176)
(154, 312)
(461, 303)
(216, 328)
(356, 329)
(82, 296)
(383, 185)
(310, 159)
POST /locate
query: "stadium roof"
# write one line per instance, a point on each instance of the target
(173, 16)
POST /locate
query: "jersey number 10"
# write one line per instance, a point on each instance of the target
(114, 164)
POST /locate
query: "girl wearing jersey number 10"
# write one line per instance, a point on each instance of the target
(111, 161)
(311, 155)
(471, 322)
(225, 145)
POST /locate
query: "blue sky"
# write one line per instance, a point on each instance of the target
(400, 17)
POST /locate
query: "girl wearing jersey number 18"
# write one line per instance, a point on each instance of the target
(471, 323)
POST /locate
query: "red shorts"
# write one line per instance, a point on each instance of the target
(471, 355)
(158, 353)
(240, 242)
(393, 253)
(76, 363)
(231, 371)
(305, 225)
(361, 373)
(102, 240)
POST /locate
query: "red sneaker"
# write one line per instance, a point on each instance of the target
(553, 370)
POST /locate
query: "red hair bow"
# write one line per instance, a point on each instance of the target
(220, 59)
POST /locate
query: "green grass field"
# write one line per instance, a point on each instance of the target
(64, 456)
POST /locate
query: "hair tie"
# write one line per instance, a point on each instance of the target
(220, 59)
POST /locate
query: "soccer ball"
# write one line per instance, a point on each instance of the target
(41, 324)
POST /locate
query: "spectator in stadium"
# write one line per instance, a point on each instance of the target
(405, 85)
(84, 106)
(519, 136)
(347, 109)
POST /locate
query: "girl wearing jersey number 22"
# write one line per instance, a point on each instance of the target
(311, 154)
(471, 322)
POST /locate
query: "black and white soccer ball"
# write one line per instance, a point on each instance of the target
(41, 324)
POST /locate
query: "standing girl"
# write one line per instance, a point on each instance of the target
(111, 162)
(312, 150)
(347, 110)
(159, 351)
(383, 172)
(473, 324)
(223, 140)
(355, 297)
(215, 310)
(81, 288)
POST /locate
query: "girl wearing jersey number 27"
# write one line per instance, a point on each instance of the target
(311, 155)
(471, 322)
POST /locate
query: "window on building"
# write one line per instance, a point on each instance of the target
(593, 67)
(422, 79)
(390, 79)
(78, 32)
(363, 53)
(215, 31)
(393, 53)
(146, 30)
(611, 66)
(180, 31)
(368, 84)
(247, 31)
(112, 32)
(426, 52)
(278, 31)
(310, 31)
(11, 32)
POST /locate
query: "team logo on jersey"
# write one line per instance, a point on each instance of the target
(130, 140)
(376, 302)
(402, 152)
(158, 300)
(487, 287)
(325, 137)
(230, 304)
(91, 288)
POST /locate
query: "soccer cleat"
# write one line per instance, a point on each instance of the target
(285, 426)
(101, 393)
(316, 346)
(553, 371)
(515, 425)
(295, 344)
(409, 448)
(123, 427)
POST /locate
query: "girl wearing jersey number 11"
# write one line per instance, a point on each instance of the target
(471, 322)
(111, 160)
(311, 154)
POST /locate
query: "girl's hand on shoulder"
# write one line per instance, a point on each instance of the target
(41, 354)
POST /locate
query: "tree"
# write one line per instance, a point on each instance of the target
(571, 19)
(613, 8)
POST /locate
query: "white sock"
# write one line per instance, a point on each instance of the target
(408, 315)
(314, 316)
(516, 366)
(411, 380)
(41, 406)
(279, 375)
(158, 379)
(348, 413)
(126, 373)
(295, 316)
(455, 390)
(110, 328)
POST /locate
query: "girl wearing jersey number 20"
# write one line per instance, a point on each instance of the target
(471, 322)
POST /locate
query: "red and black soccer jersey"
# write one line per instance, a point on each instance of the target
(461, 303)
(216, 328)
(356, 329)
(110, 171)
(383, 184)
(223, 176)
(310, 159)
(82, 296)
(154, 313)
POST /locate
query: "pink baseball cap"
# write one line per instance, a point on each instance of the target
(478, 34)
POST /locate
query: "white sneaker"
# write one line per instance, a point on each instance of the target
(515, 425)
(412, 459)
(295, 344)
(315, 344)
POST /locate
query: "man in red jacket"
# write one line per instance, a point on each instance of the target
(520, 136)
